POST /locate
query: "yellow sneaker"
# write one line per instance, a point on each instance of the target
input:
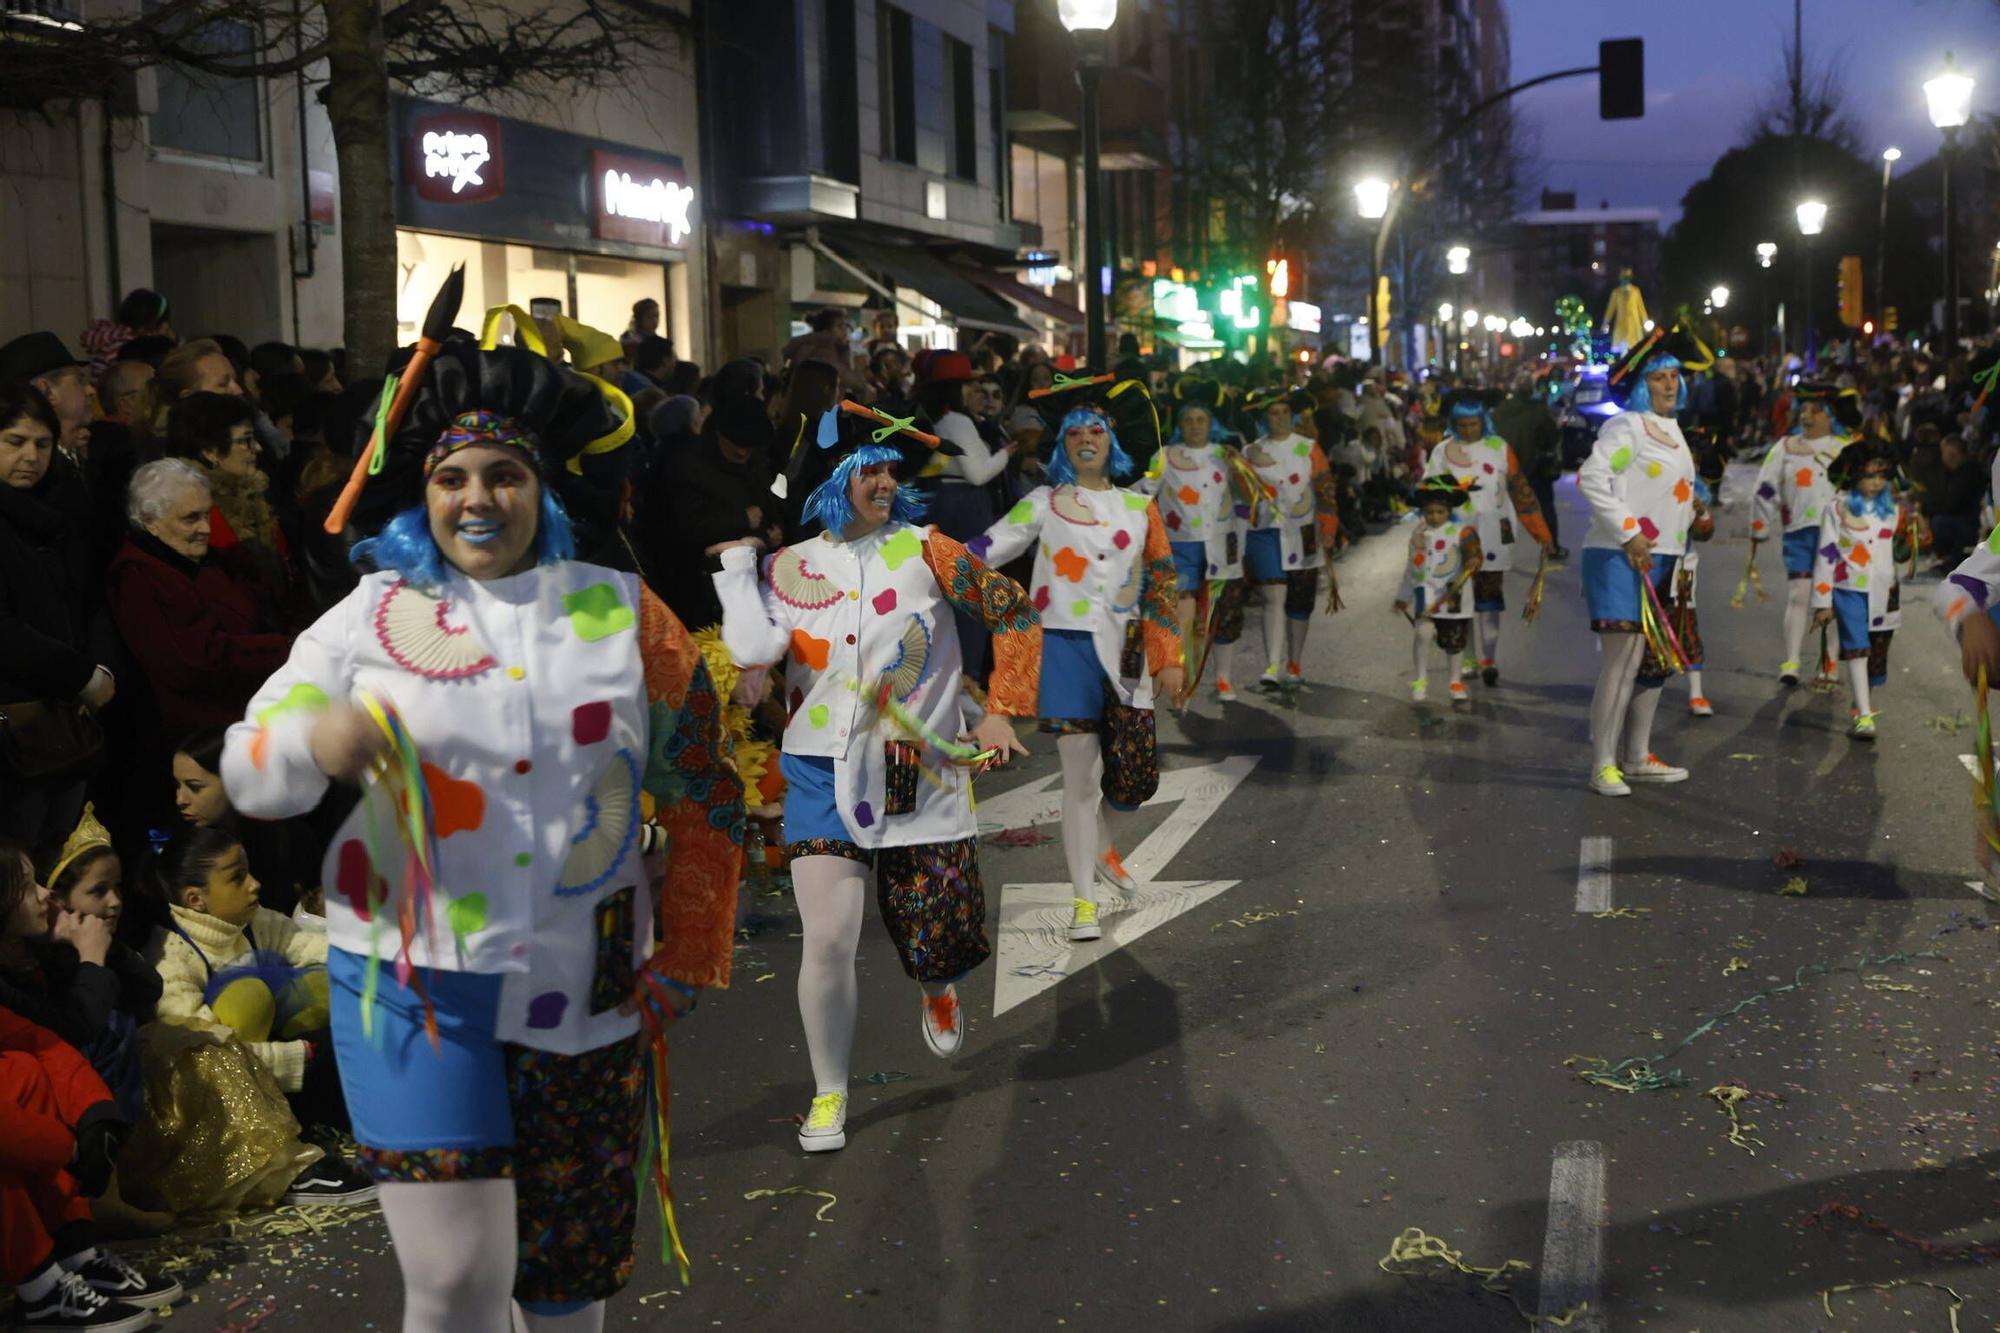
(825, 1129)
(1083, 920)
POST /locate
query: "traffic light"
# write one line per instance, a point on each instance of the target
(1850, 291)
(1621, 78)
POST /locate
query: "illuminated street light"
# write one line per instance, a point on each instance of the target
(1949, 93)
(1719, 297)
(1470, 319)
(1458, 258)
(1371, 197)
(1892, 155)
(1812, 217)
(1444, 313)
(1087, 21)
(1812, 220)
(1766, 252)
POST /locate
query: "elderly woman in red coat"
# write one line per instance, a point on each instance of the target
(192, 629)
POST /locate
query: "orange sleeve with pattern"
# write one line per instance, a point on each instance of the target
(1326, 502)
(1159, 597)
(1526, 506)
(697, 798)
(1002, 605)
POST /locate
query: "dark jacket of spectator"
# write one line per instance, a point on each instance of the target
(1527, 424)
(193, 632)
(51, 986)
(700, 497)
(53, 634)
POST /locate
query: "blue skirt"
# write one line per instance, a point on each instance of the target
(1799, 547)
(1072, 685)
(811, 811)
(1190, 566)
(1850, 617)
(1611, 588)
(1264, 556)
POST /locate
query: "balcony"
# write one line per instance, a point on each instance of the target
(1134, 121)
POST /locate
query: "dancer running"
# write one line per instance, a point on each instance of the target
(1288, 537)
(1475, 453)
(1111, 645)
(1639, 481)
(494, 1070)
(1865, 534)
(1445, 554)
(1792, 494)
(874, 770)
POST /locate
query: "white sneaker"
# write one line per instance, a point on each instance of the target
(825, 1129)
(1653, 769)
(1111, 872)
(943, 1023)
(1418, 689)
(1608, 781)
(1083, 920)
(1468, 668)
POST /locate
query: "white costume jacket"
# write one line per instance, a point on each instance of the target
(1198, 503)
(1639, 480)
(1793, 489)
(1857, 553)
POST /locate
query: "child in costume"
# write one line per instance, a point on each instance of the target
(875, 772)
(1793, 490)
(535, 733)
(1288, 536)
(1204, 490)
(1639, 481)
(1445, 554)
(1865, 534)
(1681, 606)
(1111, 645)
(1473, 455)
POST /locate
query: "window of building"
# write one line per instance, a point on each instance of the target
(960, 95)
(895, 61)
(839, 122)
(206, 114)
(1040, 191)
(996, 117)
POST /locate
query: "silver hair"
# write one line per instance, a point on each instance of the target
(153, 488)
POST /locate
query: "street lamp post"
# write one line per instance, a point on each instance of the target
(1949, 93)
(1766, 252)
(1088, 22)
(1812, 221)
(1371, 201)
(1890, 156)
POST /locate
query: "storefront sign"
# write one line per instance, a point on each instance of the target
(1176, 301)
(455, 158)
(636, 202)
(1302, 316)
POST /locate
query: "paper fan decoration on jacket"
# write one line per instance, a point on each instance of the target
(412, 630)
(797, 583)
(1068, 506)
(607, 829)
(913, 659)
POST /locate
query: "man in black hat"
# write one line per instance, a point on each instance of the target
(42, 359)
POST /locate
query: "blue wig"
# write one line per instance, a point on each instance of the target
(1466, 408)
(830, 507)
(1217, 432)
(1641, 398)
(405, 544)
(1062, 472)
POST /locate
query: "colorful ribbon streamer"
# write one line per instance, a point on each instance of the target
(657, 1015)
(1659, 633)
(1533, 607)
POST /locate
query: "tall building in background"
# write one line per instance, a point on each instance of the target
(1562, 250)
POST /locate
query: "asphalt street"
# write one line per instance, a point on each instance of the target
(1350, 1014)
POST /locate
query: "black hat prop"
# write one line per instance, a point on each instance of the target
(1445, 487)
(1197, 391)
(1657, 349)
(1126, 403)
(1843, 404)
(1852, 462)
(450, 392)
(1467, 402)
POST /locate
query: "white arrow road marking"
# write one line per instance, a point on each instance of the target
(1573, 1246)
(1035, 951)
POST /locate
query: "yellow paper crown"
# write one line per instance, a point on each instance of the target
(88, 836)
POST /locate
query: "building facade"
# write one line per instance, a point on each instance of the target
(1561, 250)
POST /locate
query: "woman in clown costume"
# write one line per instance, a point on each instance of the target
(875, 771)
(568, 736)
(1794, 490)
(1290, 534)
(1477, 458)
(1111, 642)
(1204, 490)
(1639, 481)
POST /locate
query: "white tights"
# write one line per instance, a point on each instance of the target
(1857, 680)
(1273, 597)
(1086, 820)
(455, 1244)
(1798, 611)
(1489, 635)
(1619, 709)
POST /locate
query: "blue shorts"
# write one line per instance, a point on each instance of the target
(1799, 548)
(812, 814)
(1611, 588)
(1073, 684)
(1850, 617)
(1264, 556)
(405, 1096)
(1190, 566)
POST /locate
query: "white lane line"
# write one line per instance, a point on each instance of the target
(1593, 876)
(1573, 1251)
(1971, 765)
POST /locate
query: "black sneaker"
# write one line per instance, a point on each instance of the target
(111, 1276)
(330, 1183)
(73, 1304)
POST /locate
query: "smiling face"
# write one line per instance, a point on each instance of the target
(184, 527)
(198, 793)
(871, 491)
(1815, 420)
(99, 890)
(26, 446)
(1663, 388)
(240, 458)
(1088, 444)
(485, 507)
(230, 891)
